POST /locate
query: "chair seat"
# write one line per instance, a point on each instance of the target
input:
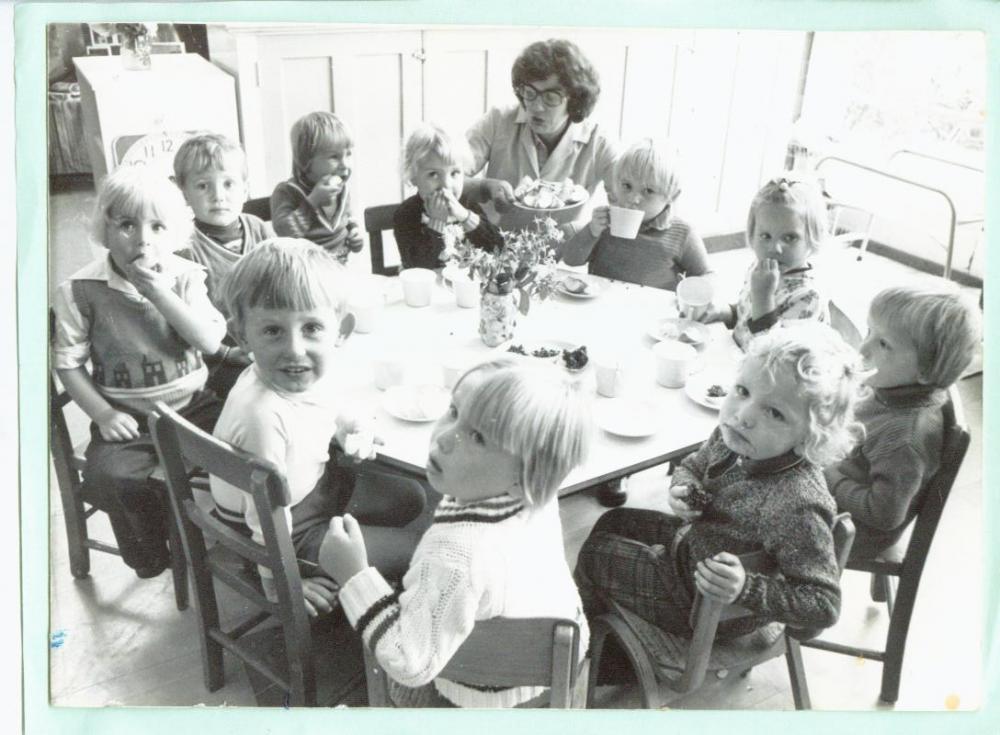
(669, 651)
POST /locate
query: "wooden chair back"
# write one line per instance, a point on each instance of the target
(259, 207)
(180, 444)
(377, 220)
(505, 652)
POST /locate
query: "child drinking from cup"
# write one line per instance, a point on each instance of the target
(786, 225)
(920, 340)
(143, 319)
(495, 549)
(315, 203)
(434, 163)
(285, 302)
(665, 249)
(211, 171)
(756, 483)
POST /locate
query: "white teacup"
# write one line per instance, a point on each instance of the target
(674, 361)
(610, 372)
(454, 365)
(694, 296)
(389, 370)
(625, 222)
(366, 309)
(417, 283)
(466, 291)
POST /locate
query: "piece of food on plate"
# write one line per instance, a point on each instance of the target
(691, 335)
(716, 391)
(575, 285)
(517, 350)
(575, 359)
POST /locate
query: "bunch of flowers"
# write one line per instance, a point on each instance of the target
(526, 261)
(131, 31)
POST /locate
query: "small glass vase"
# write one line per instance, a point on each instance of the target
(136, 52)
(497, 315)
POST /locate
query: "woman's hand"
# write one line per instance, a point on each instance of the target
(720, 577)
(600, 220)
(500, 192)
(678, 503)
(319, 594)
(764, 285)
(342, 553)
(117, 426)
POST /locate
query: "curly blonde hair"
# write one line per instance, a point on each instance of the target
(830, 377)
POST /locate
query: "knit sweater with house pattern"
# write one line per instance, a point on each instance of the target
(486, 559)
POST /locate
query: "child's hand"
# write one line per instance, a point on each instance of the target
(148, 281)
(720, 577)
(325, 190)
(117, 426)
(600, 220)
(455, 209)
(764, 282)
(354, 239)
(319, 594)
(342, 553)
(678, 503)
(713, 313)
(437, 206)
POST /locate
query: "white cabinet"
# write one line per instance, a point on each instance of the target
(141, 116)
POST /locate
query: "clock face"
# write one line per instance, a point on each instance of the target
(153, 149)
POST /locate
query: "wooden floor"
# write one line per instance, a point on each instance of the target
(119, 640)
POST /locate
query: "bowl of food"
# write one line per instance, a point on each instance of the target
(568, 355)
(560, 200)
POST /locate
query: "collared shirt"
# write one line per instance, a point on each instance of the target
(503, 143)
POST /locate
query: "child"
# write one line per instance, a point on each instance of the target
(498, 456)
(211, 171)
(285, 302)
(754, 484)
(142, 317)
(786, 225)
(920, 340)
(315, 203)
(433, 162)
(666, 248)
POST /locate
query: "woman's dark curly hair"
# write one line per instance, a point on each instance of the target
(575, 72)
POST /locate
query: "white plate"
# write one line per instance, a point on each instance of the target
(417, 403)
(628, 417)
(594, 287)
(698, 384)
(684, 330)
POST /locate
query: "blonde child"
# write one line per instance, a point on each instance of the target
(315, 203)
(211, 171)
(920, 339)
(142, 317)
(666, 248)
(433, 162)
(285, 302)
(787, 224)
(495, 549)
(756, 483)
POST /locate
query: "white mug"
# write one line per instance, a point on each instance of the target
(674, 361)
(610, 372)
(466, 291)
(694, 296)
(388, 371)
(366, 310)
(417, 283)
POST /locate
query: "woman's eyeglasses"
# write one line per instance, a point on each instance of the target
(550, 97)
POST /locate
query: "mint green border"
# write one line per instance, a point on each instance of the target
(30, 21)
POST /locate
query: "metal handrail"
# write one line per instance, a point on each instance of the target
(911, 182)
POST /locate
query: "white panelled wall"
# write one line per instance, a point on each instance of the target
(726, 99)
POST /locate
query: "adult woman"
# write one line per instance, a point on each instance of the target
(548, 134)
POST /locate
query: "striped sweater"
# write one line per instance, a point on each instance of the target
(491, 558)
(880, 480)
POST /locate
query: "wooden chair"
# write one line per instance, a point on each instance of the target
(68, 461)
(377, 220)
(505, 652)
(179, 442)
(845, 326)
(896, 572)
(657, 656)
(259, 207)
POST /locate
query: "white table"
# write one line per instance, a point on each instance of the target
(619, 319)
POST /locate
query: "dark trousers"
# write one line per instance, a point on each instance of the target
(117, 480)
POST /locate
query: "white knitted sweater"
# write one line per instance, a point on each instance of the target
(491, 558)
